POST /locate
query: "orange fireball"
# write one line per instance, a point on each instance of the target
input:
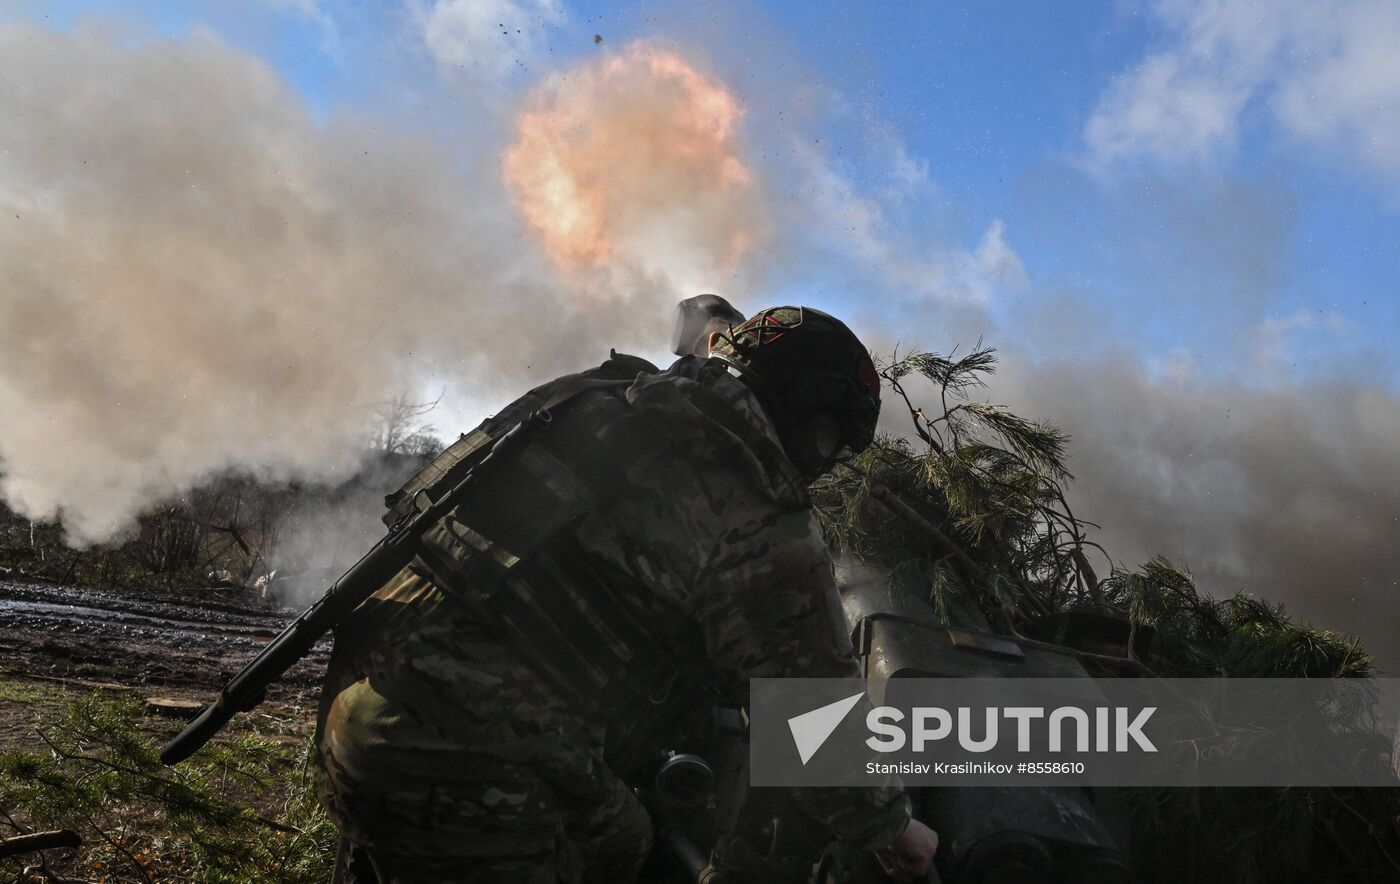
(631, 157)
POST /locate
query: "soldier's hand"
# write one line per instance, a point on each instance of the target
(908, 857)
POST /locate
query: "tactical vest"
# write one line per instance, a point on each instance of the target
(508, 547)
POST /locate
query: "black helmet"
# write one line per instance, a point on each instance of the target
(813, 377)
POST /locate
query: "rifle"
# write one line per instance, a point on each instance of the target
(385, 559)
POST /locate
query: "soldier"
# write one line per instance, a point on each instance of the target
(652, 541)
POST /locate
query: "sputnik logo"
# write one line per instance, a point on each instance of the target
(811, 729)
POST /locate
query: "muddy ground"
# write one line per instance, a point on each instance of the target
(181, 645)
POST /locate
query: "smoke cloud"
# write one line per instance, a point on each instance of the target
(197, 277)
(1292, 494)
(485, 42)
(330, 528)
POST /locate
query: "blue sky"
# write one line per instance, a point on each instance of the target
(1264, 235)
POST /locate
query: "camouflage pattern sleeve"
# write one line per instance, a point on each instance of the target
(719, 525)
(766, 599)
(756, 577)
(768, 607)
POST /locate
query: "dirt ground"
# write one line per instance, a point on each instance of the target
(56, 640)
(59, 643)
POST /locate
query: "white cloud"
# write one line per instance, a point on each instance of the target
(996, 261)
(308, 8)
(1278, 342)
(862, 225)
(1324, 74)
(485, 41)
(903, 168)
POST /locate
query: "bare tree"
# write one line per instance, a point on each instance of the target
(400, 430)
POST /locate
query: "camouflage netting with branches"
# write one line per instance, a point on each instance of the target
(975, 501)
(971, 510)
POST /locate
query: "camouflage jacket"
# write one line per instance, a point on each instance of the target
(708, 539)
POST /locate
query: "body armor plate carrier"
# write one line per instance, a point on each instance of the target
(508, 547)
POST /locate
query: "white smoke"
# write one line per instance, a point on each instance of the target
(197, 277)
(1289, 493)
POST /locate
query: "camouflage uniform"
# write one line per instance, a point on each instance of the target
(447, 755)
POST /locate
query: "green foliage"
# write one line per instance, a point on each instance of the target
(100, 775)
(1239, 636)
(1254, 835)
(989, 482)
(25, 694)
(971, 509)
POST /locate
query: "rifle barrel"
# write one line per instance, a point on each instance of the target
(374, 569)
(247, 689)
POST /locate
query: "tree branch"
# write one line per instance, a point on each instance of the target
(21, 844)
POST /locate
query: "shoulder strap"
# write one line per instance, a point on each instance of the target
(449, 467)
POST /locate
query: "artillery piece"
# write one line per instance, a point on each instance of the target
(714, 829)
